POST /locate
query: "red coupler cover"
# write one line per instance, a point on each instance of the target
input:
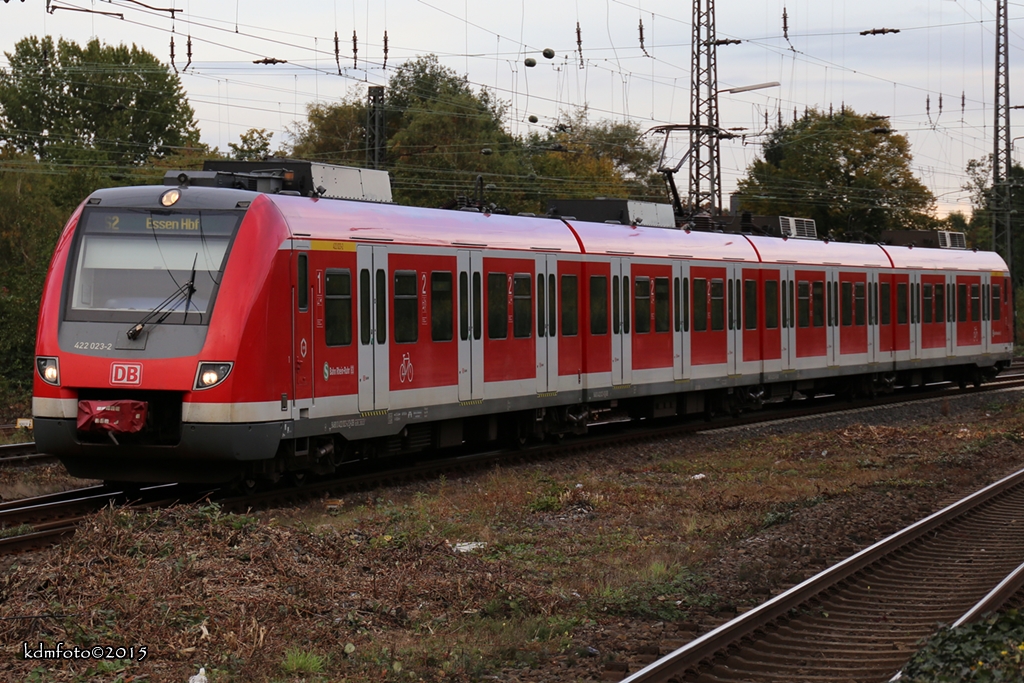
(122, 417)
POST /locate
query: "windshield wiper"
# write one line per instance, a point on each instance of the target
(183, 293)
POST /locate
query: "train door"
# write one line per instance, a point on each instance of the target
(872, 294)
(811, 333)
(951, 318)
(886, 320)
(302, 337)
(372, 286)
(681, 321)
(769, 322)
(471, 328)
(547, 324)
(748, 307)
(787, 318)
(833, 343)
(986, 312)
(901, 316)
(622, 346)
(968, 311)
(915, 315)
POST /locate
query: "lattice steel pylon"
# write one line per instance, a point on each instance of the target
(376, 132)
(1001, 203)
(705, 160)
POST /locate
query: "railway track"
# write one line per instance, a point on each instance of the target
(365, 476)
(860, 619)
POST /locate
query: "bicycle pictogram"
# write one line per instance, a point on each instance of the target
(405, 369)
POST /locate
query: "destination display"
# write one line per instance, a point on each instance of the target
(135, 222)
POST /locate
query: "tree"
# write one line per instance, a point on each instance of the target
(847, 171)
(254, 145)
(442, 136)
(102, 104)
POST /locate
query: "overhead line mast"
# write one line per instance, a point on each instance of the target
(1001, 203)
(705, 165)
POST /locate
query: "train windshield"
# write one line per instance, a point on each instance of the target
(129, 261)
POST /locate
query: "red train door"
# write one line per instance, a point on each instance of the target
(968, 310)
(770, 323)
(933, 314)
(901, 316)
(471, 326)
(811, 320)
(749, 320)
(709, 343)
(1002, 332)
(372, 288)
(681, 320)
(302, 336)
(853, 329)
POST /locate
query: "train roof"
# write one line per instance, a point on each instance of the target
(819, 252)
(341, 220)
(630, 240)
(946, 259)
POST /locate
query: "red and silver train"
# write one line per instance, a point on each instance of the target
(199, 333)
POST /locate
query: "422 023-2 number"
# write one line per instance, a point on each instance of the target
(93, 346)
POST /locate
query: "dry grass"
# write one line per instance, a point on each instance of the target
(374, 587)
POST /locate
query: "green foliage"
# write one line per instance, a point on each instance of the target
(298, 661)
(843, 170)
(659, 591)
(254, 145)
(990, 650)
(106, 105)
(442, 137)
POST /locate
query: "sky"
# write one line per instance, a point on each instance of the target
(934, 79)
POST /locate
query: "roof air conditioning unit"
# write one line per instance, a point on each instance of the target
(952, 240)
(800, 228)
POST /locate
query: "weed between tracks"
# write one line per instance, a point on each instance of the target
(536, 572)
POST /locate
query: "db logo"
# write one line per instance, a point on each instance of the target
(126, 373)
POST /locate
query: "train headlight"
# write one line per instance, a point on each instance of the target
(170, 198)
(49, 370)
(211, 374)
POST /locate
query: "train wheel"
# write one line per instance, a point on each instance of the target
(297, 479)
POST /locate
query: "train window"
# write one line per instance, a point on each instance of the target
(570, 306)
(859, 313)
(686, 304)
(996, 303)
(463, 306)
(541, 300)
(700, 304)
(717, 305)
(803, 306)
(441, 306)
(730, 303)
(792, 303)
(975, 301)
(303, 282)
(552, 311)
(521, 305)
(478, 307)
(750, 304)
(406, 304)
(961, 303)
(381, 300)
(625, 305)
(846, 303)
(364, 306)
(598, 304)
(616, 325)
(497, 306)
(661, 304)
(817, 303)
(338, 308)
(771, 304)
(675, 309)
(642, 305)
(886, 303)
(940, 302)
(927, 303)
(901, 303)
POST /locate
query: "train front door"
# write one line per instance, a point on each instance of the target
(471, 326)
(302, 336)
(372, 286)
